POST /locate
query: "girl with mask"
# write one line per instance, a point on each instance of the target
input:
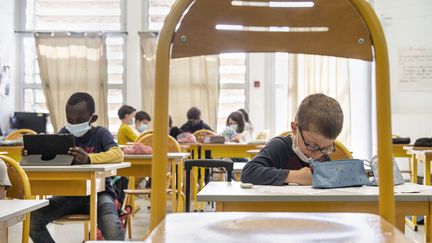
(236, 122)
(285, 159)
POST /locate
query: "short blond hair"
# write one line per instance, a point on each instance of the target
(320, 114)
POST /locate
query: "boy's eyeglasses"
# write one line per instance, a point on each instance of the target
(313, 147)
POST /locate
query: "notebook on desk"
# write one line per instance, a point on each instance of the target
(47, 149)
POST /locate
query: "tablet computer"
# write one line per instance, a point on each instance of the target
(50, 148)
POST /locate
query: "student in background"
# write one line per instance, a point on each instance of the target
(236, 122)
(173, 131)
(125, 132)
(4, 180)
(285, 160)
(142, 121)
(93, 145)
(194, 122)
(248, 124)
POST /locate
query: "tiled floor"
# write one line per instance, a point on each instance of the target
(74, 233)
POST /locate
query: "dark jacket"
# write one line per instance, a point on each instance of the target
(273, 163)
(174, 132)
(193, 126)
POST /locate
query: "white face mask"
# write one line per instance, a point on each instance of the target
(143, 127)
(298, 152)
(132, 121)
(234, 127)
(78, 130)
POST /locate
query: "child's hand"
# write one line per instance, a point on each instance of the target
(235, 139)
(301, 177)
(80, 156)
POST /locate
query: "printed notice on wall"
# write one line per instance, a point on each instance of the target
(415, 69)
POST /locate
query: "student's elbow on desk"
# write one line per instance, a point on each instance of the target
(259, 175)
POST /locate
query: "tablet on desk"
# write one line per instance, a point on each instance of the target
(47, 149)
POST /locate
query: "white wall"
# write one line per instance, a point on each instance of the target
(8, 54)
(407, 24)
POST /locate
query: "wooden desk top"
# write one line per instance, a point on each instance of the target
(275, 227)
(150, 156)
(13, 208)
(78, 168)
(231, 191)
(253, 151)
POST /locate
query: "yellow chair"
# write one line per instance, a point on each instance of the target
(200, 135)
(17, 134)
(150, 131)
(192, 23)
(20, 189)
(284, 134)
(173, 146)
(341, 152)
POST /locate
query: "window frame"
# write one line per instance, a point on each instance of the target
(21, 86)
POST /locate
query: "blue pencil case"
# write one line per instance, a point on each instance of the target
(338, 173)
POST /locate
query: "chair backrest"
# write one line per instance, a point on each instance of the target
(20, 188)
(149, 131)
(344, 28)
(284, 134)
(205, 163)
(341, 152)
(200, 135)
(173, 145)
(18, 134)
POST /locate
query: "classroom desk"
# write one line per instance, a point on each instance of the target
(399, 150)
(252, 153)
(74, 180)
(141, 167)
(274, 227)
(14, 211)
(226, 150)
(423, 155)
(230, 197)
(13, 152)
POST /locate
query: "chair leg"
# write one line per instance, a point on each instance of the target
(129, 226)
(201, 186)
(86, 230)
(26, 229)
(194, 185)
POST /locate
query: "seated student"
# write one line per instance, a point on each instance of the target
(4, 180)
(93, 145)
(194, 122)
(248, 124)
(142, 121)
(125, 133)
(173, 131)
(237, 123)
(284, 160)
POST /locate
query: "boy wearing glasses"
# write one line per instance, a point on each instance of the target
(285, 160)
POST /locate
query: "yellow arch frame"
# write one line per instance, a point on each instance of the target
(163, 54)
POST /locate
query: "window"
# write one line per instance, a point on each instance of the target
(280, 121)
(232, 68)
(65, 15)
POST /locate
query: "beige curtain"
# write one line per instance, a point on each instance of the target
(193, 82)
(70, 63)
(310, 74)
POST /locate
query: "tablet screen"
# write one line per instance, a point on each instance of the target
(48, 144)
